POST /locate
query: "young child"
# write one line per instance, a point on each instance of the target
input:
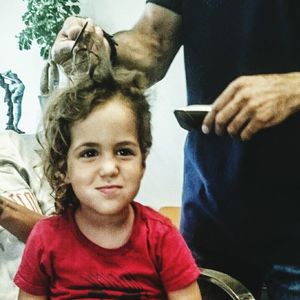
(103, 244)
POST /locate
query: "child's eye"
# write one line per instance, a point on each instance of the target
(89, 153)
(125, 152)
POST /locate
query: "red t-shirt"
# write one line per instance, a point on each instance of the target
(60, 261)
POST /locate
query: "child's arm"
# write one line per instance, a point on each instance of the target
(24, 296)
(191, 292)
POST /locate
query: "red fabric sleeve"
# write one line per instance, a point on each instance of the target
(31, 276)
(178, 267)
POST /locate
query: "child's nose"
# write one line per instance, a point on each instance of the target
(108, 166)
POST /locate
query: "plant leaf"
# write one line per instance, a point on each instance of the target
(43, 20)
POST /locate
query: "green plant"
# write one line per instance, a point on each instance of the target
(43, 20)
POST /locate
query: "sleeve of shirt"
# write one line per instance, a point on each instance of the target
(21, 173)
(15, 187)
(178, 267)
(31, 276)
(174, 5)
(45, 198)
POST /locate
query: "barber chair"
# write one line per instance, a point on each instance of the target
(214, 285)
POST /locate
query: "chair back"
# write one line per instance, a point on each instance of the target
(214, 285)
(172, 213)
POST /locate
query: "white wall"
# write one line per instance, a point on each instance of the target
(163, 178)
(27, 64)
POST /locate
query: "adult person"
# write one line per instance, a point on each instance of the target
(24, 199)
(240, 210)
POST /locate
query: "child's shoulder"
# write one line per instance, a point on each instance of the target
(153, 218)
(51, 223)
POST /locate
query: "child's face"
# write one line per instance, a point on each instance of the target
(105, 164)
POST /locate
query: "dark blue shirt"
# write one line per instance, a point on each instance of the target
(241, 197)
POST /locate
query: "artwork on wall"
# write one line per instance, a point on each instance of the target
(14, 90)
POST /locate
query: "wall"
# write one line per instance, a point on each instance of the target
(27, 64)
(163, 177)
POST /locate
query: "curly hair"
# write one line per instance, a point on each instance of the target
(75, 103)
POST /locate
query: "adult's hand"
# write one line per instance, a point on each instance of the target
(61, 50)
(17, 219)
(252, 103)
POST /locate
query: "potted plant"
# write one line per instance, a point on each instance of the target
(43, 20)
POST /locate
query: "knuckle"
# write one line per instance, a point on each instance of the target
(252, 107)
(232, 109)
(215, 108)
(244, 94)
(261, 118)
(220, 121)
(241, 80)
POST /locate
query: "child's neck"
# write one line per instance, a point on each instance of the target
(108, 232)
